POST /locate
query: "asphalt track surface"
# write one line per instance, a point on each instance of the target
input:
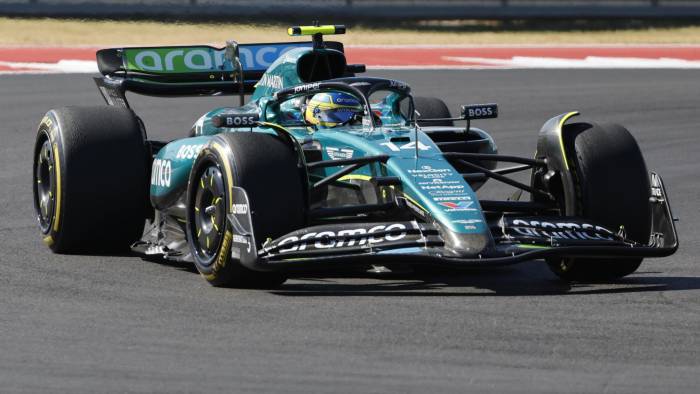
(121, 324)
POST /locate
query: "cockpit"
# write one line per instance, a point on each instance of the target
(351, 103)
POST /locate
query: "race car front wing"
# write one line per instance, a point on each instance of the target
(516, 239)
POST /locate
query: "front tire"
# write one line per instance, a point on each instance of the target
(612, 188)
(267, 169)
(90, 179)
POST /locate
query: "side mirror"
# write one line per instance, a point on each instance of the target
(232, 55)
(355, 68)
(479, 111)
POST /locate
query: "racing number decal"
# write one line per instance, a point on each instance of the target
(411, 145)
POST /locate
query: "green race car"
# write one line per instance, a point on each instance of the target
(321, 169)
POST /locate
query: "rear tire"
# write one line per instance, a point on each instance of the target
(612, 188)
(432, 108)
(90, 179)
(266, 167)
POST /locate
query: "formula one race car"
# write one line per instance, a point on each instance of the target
(322, 169)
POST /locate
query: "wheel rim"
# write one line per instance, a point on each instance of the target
(44, 178)
(209, 214)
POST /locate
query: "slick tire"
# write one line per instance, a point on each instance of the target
(90, 179)
(432, 108)
(266, 167)
(612, 188)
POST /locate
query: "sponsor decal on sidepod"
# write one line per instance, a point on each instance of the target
(161, 173)
(188, 151)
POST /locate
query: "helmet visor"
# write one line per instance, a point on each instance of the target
(336, 115)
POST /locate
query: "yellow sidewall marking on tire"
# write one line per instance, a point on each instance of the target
(227, 169)
(222, 256)
(561, 135)
(46, 121)
(57, 161)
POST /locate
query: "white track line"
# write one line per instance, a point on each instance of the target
(62, 67)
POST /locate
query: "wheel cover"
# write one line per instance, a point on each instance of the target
(45, 186)
(209, 214)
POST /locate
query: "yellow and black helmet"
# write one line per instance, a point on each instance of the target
(332, 109)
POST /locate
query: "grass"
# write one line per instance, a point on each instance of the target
(58, 32)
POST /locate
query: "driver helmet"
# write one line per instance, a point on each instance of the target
(332, 109)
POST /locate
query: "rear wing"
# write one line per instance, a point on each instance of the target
(187, 70)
